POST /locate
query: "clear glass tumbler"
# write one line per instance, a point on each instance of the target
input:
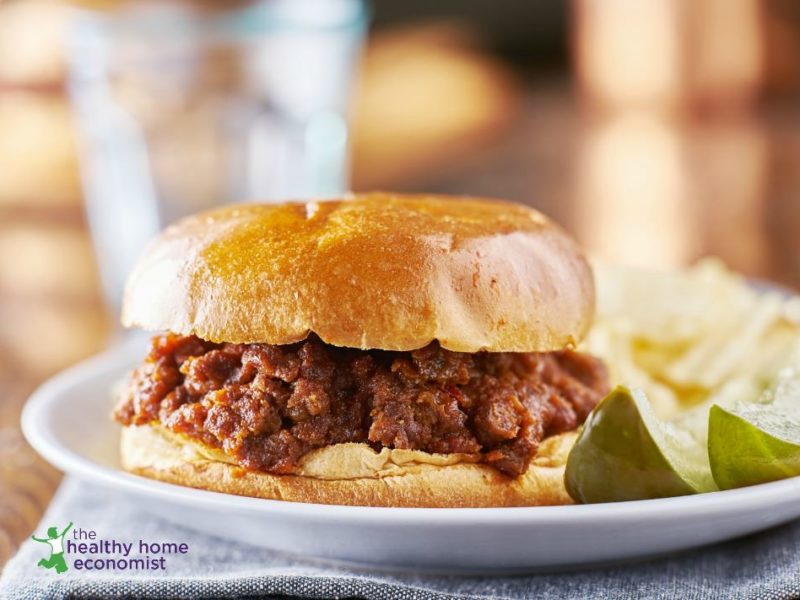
(184, 105)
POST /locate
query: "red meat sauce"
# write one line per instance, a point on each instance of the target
(266, 406)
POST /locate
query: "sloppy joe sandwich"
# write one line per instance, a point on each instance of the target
(378, 350)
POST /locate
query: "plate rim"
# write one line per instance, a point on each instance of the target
(47, 444)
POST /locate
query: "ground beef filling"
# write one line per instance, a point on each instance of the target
(267, 406)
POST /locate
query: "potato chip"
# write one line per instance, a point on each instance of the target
(692, 337)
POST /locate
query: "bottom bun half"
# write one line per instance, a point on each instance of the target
(354, 474)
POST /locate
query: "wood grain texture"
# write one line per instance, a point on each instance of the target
(27, 483)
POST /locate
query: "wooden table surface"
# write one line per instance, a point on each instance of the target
(633, 187)
(26, 482)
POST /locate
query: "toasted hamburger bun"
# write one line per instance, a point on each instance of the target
(372, 271)
(354, 474)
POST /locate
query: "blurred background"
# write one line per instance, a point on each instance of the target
(656, 131)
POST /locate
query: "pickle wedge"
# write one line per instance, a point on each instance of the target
(625, 452)
(759, 442)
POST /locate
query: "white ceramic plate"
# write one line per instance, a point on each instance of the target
(67, 421)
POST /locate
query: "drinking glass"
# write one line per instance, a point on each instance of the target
(185, 105)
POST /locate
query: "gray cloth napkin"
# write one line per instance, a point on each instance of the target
(765, 566)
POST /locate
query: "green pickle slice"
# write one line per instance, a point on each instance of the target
(757, 442)
(625, 452)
